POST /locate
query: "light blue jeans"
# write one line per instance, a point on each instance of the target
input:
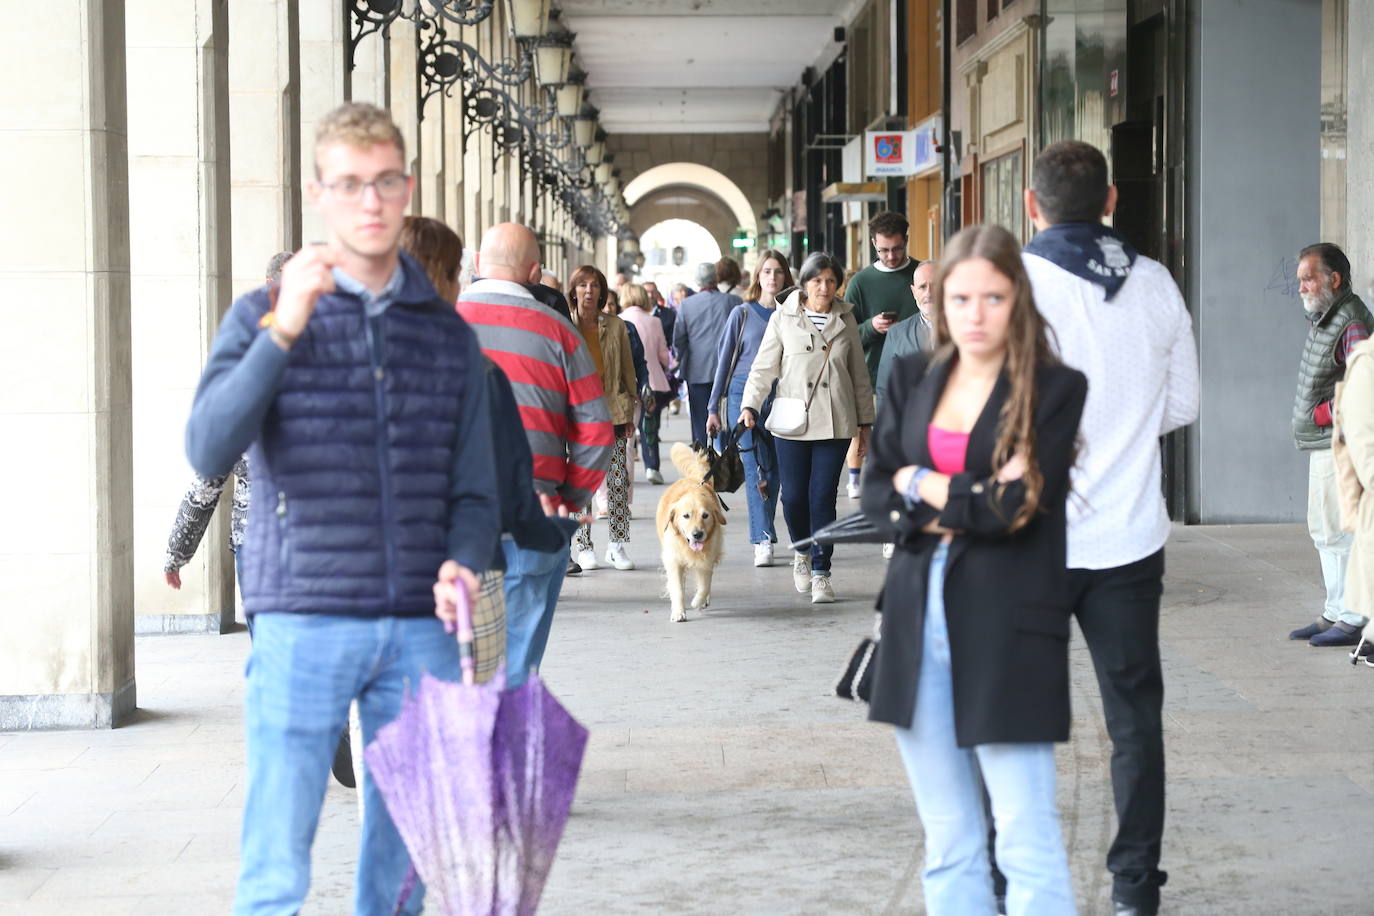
(762, 512)
(303, 672)
(948, 781)
(533, 581)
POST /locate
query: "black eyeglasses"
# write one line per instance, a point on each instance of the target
(391, 186)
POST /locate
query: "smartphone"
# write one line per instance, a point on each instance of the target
(888, 316)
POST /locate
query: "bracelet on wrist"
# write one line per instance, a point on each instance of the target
(281, 338)
(913, 485)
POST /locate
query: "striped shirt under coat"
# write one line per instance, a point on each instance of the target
(560, 396)
(798, 355)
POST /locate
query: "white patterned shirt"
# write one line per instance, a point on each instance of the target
(1140, 358)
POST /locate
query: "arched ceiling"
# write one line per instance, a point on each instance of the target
(694, 176)
(697, 66)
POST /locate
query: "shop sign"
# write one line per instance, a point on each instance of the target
(888, 152)
(926, 146)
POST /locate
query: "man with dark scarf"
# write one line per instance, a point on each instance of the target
(1119, 318)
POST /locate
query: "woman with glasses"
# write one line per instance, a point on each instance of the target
(811, 350)
(970, 472)
(739, 344)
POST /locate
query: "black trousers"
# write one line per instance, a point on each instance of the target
(1118, 612)
(698, 408)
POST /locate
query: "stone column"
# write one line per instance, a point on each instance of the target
(179, 231)
(265, 127)
(325, 84)
(66, 547)
(1359, 180)
(402, 60)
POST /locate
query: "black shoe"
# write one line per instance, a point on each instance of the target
(1130, 909)
(573, 569)
(343, 762)
(1312, 629)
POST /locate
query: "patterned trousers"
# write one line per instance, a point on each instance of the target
(618, 498)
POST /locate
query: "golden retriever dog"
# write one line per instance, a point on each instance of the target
(689, 520)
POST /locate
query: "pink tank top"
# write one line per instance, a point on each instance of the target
(947, 449)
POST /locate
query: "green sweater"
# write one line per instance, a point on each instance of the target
(874, 291)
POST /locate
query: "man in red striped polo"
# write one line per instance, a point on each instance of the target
(562, 408)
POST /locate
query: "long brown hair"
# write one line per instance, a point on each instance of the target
(439, 251)
(768, 254)
(1028, 348)
(581, 275)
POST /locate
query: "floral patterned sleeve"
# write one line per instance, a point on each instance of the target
(193, 517)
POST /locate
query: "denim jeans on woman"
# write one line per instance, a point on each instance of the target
(303, 671)
(810, 474)
(534, 580)
(760, 457)
(948, 782)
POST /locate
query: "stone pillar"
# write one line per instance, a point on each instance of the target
(265, 127)
(371, 76)
(401, 57)
(455, 211)
(179, 233)
(66, 547)
(1359, 179)
(325, 84)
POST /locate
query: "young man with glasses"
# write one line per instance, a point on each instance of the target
(361, 398)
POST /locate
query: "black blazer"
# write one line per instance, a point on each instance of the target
(1006, 595)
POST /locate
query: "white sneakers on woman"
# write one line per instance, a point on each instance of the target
(801, 572)
(616, 556)
(587, 559)
(821, 592)
(763, 553)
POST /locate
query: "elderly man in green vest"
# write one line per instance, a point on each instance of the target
(1339, 321)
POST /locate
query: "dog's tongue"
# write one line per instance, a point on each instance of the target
(698, 546)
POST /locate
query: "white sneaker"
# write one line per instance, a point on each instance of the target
(615, 556)
(852, 490)
(587, 560)
(821, 592)
(652, 475)
(763, 553)
(889, 550)
(801, 572)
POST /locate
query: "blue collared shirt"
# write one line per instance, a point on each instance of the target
(373, 303)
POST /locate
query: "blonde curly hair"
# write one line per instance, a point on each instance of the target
(359, 125)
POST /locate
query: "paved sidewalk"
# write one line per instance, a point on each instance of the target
(723, 776)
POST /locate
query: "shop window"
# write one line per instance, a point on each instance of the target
(1002, 193)
(965, 21)
(992, 9)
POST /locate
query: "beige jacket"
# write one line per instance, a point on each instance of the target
(793, 353)
(1353, 442)
(618, 375)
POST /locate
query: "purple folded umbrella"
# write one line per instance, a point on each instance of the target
(479, 781)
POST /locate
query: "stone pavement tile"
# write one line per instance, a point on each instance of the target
(596, 782)
(95, 904)
(153, 878)
(699, 755)
(38, 755)
(1189, 763)
(18, 883)
(841, 851)
(670, 778)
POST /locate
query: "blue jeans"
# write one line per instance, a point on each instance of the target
(948, 782)
(533, 581)
(762, 512)
(810, 474)
(698, 407)
(303, 672)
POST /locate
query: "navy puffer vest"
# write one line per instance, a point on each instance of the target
(351, 474)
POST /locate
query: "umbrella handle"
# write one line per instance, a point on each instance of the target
(466, 637)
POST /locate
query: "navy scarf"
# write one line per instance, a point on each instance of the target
(1097, 253)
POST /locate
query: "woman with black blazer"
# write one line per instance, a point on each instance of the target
(970, 471)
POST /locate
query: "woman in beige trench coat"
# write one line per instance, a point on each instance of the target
(1353, 443)
(812, 349)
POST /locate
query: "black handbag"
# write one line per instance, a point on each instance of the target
(856, 681)
(726, 468)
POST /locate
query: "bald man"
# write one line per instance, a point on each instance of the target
(563, 411)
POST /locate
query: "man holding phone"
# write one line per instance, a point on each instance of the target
(881, 296)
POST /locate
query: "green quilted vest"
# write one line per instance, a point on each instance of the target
(1319, 372)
